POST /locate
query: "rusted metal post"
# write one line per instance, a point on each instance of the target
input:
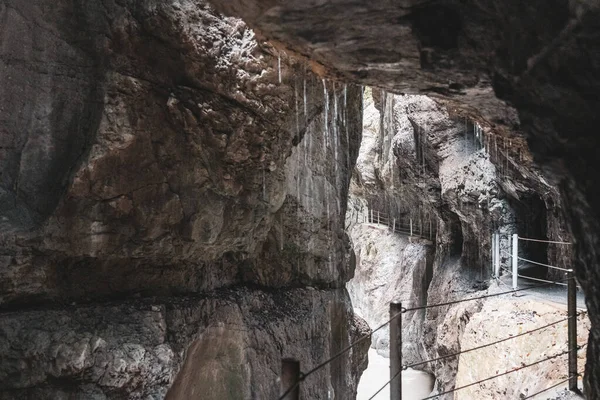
(290, 377)
(396, 351)
(572, 310)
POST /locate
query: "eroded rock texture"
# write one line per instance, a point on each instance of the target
(154, 154)
(541, 59)
(457, 184)
(517, 316)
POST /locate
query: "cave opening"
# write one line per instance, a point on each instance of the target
(456, 234)
(531, 222)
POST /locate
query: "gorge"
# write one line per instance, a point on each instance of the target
(181, 189)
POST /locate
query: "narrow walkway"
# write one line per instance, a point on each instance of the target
(554, 293)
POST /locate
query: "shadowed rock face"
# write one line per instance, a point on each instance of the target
(540, 58)
(166, 191)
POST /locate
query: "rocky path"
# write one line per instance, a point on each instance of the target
(554, 294)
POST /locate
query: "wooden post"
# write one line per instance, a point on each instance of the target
(395, 351)
(394, 226)
(290, 376)
(515, 260)
(572, 333)
(411, 227)
(371, 216)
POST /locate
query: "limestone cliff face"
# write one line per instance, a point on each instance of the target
(390, 267)
(528, 69)
(460, 182)
(512, 317)
(170, 187)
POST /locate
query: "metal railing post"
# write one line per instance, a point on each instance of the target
(515, 260)
(395, 351)
(290, 375)
(493, 255)
(572, 310)
(497, 255)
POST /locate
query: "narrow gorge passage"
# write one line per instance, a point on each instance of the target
(441, 174)
(219, 199)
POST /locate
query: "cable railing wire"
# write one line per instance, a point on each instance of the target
(502, 374)
(537, 263)
(303, 376)
(539, 279)
(555, 385)
(532, 278)
(479, 297)
(548, 388)
(543, 241)
(486, 345)
(384, 386)
(544, 265)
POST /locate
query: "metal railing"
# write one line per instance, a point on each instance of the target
(407, 225)
(290, 389)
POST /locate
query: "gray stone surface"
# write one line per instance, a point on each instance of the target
(225, 345)
(529, 69)
(417, 160)
(150, 154)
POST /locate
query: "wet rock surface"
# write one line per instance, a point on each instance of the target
(389, 268)
(152, 154)
(225, 345)
(528, 69)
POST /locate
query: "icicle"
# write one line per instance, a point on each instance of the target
(326, 116)
(281, 232)
(496, 146)
(264, 185)
(279, 66)
(362, 100)
(305, 107)
(298, 148)
(335, 145)
(297, 111)
(345, 103)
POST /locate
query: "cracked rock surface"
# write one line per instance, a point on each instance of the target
(172, 198)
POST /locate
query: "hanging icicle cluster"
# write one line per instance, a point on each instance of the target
(322, 159)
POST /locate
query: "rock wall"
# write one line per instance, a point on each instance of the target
(513, 317)
(527, 70)
(170, 190)
(419, 161)
(390, 267)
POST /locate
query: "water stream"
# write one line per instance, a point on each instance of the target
(416, 385)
